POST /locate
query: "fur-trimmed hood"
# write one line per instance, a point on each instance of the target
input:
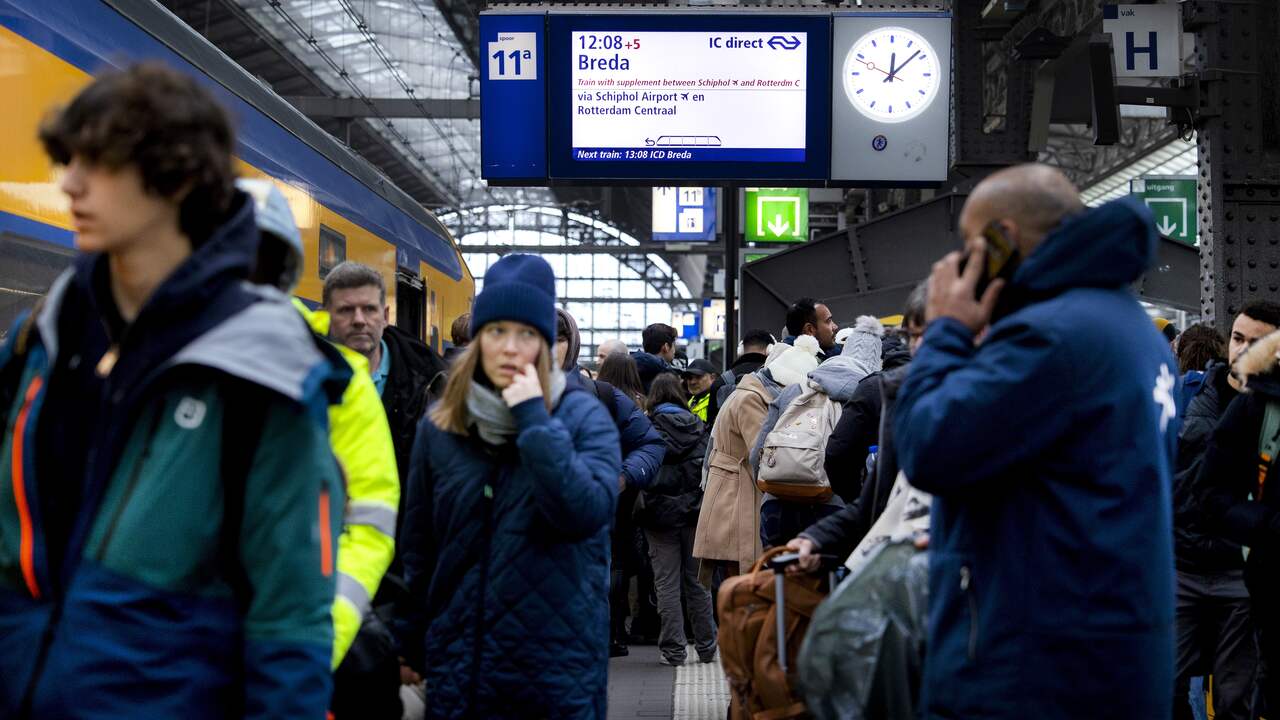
(795, 362)
(1257, 368)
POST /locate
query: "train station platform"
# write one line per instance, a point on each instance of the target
(641, 688)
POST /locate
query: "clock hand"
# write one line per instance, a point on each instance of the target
(898, 69)
(893, 57)
(871, 66)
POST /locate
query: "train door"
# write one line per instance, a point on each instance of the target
(411, 305)
(433, 319)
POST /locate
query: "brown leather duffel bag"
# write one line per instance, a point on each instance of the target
(759, 674)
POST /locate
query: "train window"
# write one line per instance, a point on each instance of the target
(27, 268)
(333, 249)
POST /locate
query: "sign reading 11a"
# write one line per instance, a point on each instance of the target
(512, 56)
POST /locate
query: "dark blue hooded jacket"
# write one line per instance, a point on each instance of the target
(1049, 450)
(506, 553)
(650, 366)
(642, 446)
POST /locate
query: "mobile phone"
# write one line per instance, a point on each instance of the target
(1002, 257)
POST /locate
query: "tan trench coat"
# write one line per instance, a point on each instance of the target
(729, 522)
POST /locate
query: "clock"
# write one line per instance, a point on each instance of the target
(891, 74)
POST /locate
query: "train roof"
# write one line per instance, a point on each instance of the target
(273, 135)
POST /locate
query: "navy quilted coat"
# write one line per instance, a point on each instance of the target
(506, 552)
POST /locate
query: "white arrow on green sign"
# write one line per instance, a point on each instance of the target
(777, 214)
(1173, 200)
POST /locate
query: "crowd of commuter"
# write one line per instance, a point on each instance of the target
(220, 502)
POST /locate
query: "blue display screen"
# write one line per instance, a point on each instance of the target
(713, 97)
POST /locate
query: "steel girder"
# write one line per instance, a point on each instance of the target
(463, 18)
(582, 239)
(234, 32)
(991, 99)
(1238, 58)
(871, 268)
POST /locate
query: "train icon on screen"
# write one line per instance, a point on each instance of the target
(684, 141)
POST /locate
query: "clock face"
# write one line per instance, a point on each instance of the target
(891, 74)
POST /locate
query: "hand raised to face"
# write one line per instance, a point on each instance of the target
(524, 386)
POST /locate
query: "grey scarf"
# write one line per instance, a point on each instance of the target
(492, 416)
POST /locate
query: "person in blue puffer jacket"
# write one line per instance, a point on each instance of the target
(1049, 449)
(512, 487)
(642, 453)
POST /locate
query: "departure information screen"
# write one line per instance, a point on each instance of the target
(661, 96)
(721, 96)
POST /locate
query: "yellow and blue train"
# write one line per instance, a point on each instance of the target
(345, 209)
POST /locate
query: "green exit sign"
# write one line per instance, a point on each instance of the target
(1173, 201)
(777, 215)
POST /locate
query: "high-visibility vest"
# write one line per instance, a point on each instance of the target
(698, 405)
(361, 441)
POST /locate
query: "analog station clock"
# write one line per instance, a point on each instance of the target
(891, 74)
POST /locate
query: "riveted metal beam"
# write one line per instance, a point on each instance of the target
(1239, 152)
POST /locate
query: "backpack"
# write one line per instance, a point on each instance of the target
(604, 393)
(1268, 444)
(795, 452)
(730, 381)
(760, 681)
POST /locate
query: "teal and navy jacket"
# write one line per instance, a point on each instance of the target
(166, 570)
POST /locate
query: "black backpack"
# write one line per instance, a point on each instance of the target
(604, 393)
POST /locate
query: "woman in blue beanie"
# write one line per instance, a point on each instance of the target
(511, 490)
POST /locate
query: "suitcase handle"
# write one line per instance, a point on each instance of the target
(778, 563)
(777, 560)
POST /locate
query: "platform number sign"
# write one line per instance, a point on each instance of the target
(684, 214)
(1145, 39)
(513, 56)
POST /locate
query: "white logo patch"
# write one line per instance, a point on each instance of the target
(1163, 395)
(190, 413)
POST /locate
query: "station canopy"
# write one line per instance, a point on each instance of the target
(613, 294)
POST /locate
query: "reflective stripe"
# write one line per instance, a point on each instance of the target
(326, 538)
(375, 515)
(351, 589)
(26, 545)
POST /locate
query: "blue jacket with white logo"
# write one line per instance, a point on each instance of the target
(1050, 450)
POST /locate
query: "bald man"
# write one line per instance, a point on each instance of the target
(1049, 448)
(609, 347)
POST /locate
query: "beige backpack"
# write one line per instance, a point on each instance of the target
(794, 453)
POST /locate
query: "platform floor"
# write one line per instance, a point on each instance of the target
(642, 688)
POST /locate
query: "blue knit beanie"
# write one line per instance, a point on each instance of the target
(520, 288)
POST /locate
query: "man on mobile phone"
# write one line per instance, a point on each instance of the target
(1049, 450)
